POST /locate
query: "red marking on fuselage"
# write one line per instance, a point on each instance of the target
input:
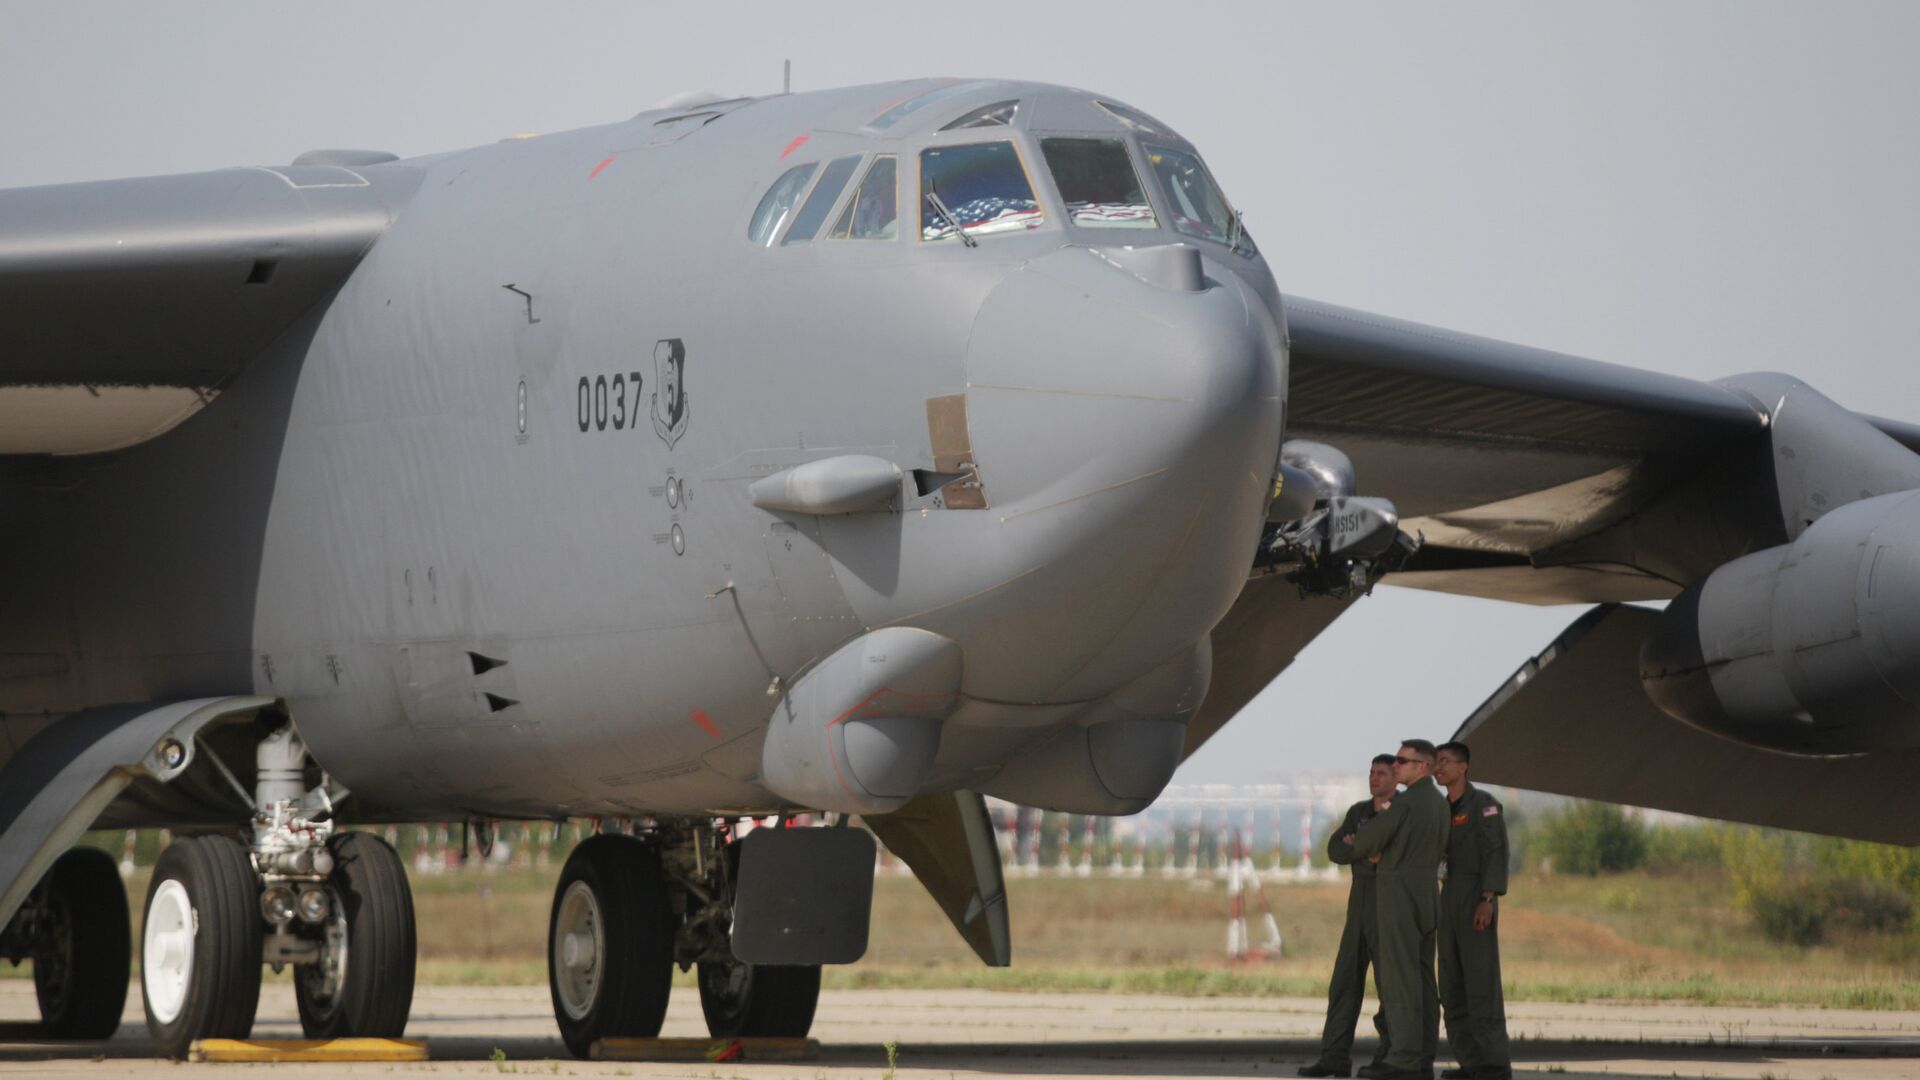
(604, 162)
(706, 723)
(797, 143)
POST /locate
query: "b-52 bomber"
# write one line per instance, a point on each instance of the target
(848, 454)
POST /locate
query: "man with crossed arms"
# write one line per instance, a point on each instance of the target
(1410, 836)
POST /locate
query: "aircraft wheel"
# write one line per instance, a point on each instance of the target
(363, 984)
(758, 999)
(200, 951)
(80, 973)
(610, 943)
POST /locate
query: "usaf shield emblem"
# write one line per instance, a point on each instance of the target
(670, 397)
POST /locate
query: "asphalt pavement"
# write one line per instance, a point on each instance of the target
(948, 1034)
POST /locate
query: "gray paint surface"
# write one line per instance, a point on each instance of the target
(1523, 337)
(1699, 191)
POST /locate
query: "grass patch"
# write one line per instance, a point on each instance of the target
(1640, 936)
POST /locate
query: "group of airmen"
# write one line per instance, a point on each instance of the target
(1421, 815)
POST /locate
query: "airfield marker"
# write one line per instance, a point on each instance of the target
(270, 1051)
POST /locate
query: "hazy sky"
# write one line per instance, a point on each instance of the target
(1700, 189)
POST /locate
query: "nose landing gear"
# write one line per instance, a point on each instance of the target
(758, 999)
(610, 943)
(628, 909)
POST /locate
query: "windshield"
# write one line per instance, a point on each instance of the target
(820, 203)
(1193, 200)
(1098, 183)
(777, 203)
(981, 187)
(870, 216)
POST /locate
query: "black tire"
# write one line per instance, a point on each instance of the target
(745, 1000)
(219, 963)
(371, 992)
(623, 890)
(80, 976)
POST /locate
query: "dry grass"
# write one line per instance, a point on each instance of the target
(1632, 937)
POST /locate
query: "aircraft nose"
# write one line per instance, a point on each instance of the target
(1125, 414)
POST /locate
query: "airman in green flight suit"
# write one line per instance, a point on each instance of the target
(1410, 836)
(1359, 939)
(1470, 997)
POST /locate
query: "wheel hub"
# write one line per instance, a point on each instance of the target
(579, 949)
(166, 950)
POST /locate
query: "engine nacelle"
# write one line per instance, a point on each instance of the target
(1810, 648)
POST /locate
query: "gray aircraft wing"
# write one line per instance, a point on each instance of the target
(1504, 456)
(1539, 477)
(131, 302)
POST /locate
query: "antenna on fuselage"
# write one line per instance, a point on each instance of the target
(786, 77)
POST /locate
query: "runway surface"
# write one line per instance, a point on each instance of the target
(944, 1035)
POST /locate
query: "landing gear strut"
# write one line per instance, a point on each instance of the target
(336, 906)
(741, 999)
(628, 909)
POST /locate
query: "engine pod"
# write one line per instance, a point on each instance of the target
(1812, 647)
(859, 732)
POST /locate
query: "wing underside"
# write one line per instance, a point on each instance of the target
(1543, 478)
(1506, 458)
(131, 303)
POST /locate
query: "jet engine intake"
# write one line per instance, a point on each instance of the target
(859, 732)
(1812, 647)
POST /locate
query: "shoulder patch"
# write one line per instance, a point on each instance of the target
(1490, 811)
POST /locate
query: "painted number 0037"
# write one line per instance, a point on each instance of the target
(604, 403)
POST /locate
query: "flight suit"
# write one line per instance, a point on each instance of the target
(1357, 946)
(1410, 835)
(1470, 996)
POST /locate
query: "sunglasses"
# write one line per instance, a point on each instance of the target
(1410, 761)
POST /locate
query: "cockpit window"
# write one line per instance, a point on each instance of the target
(833, 179)
(872, 215)
(1134, 118)
(999, 114)
(901, 110)
(777, 204)
(981, 188)
(1098, 183)
(1194, 200)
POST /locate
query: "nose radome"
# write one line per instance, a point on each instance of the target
(1125, 432)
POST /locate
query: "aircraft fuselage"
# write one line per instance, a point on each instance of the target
(482, 519)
